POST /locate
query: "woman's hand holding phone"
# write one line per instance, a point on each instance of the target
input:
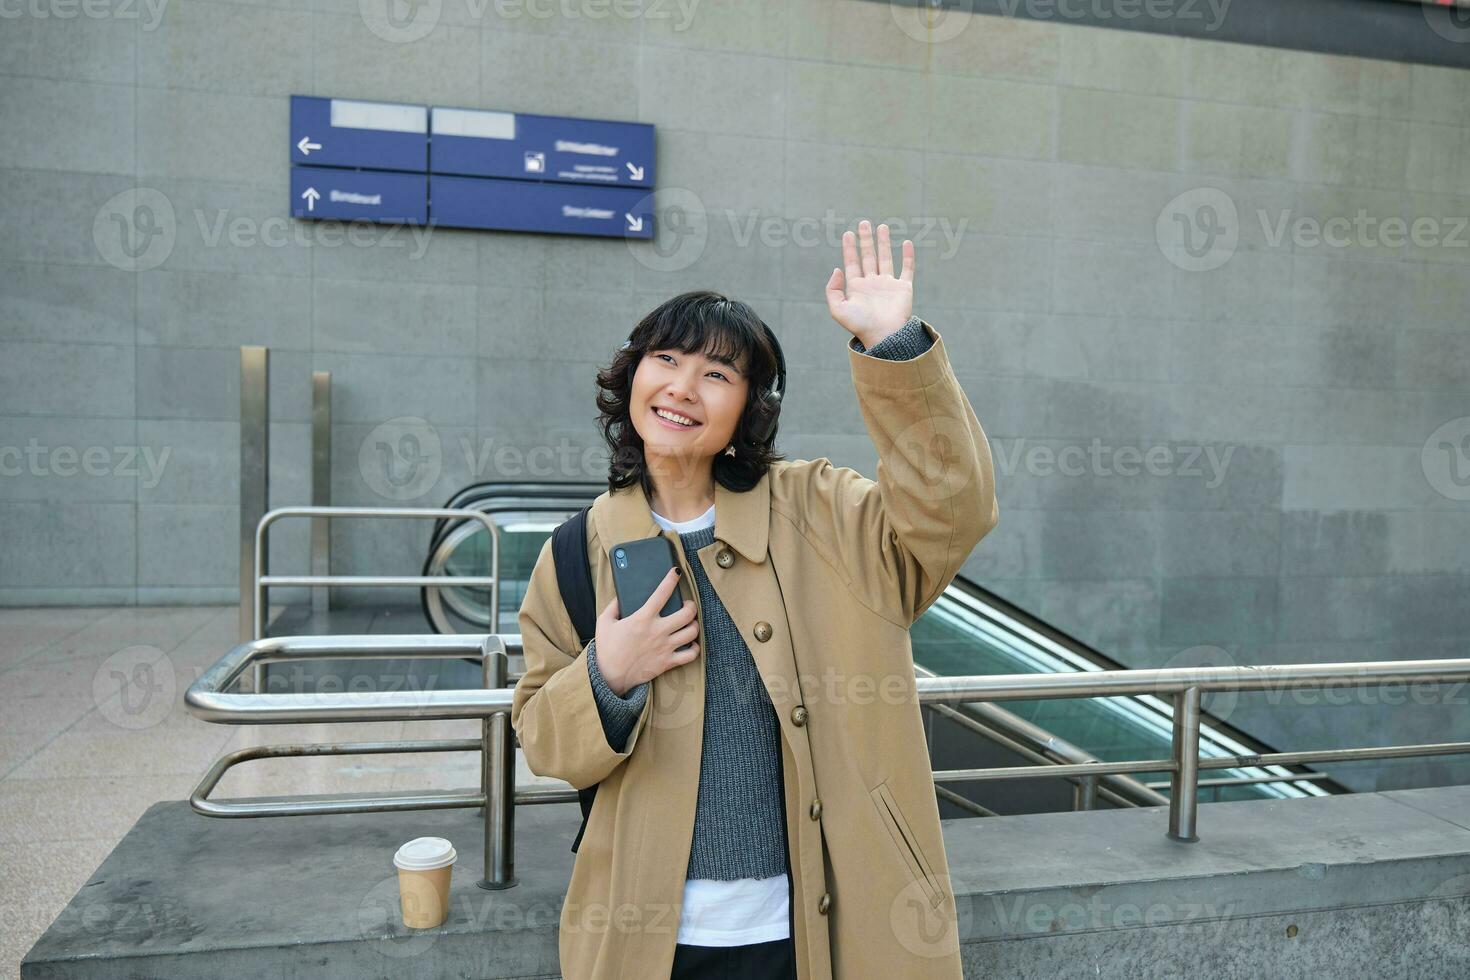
(638, 647)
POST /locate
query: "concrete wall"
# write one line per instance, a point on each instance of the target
(1061, 182)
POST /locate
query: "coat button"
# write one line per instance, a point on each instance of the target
(763, 631)
(824, 903)
(725, 557)
(816, 809)
(798, 714)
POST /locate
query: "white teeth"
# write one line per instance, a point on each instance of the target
(676, 418)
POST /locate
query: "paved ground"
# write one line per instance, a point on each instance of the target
(83, 753)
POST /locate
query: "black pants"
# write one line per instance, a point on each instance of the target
(775, 960)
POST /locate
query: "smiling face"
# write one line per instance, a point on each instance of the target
(705, 395)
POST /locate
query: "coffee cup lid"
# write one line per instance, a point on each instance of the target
(425, 854)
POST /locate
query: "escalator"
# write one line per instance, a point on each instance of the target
(525, 514)
(968, 630)
(971, 630)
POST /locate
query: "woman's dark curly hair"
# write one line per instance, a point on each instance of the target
(724, 329)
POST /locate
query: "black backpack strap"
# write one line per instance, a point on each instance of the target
(574, 580)
(574, 574)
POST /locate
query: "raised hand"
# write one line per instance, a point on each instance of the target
(866, 298)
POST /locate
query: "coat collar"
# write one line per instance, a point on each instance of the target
(742, 520)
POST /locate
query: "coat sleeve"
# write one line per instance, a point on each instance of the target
(900, 540)
(554, 710)
(905, 343)
(619, 713)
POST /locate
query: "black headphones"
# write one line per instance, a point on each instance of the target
(767, 407)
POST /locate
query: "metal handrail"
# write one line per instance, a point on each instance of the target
(1031, 741)
(1246, 780)
(1025, 738)
(994, 622)
(1186, 685)
(209, 699)
(262, 582)
(510, 503)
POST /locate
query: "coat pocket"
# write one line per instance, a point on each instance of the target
(905, 841)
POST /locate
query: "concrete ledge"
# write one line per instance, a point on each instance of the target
(295, 898)
(1374, 884)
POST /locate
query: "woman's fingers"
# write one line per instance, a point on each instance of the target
(865, 242)
(661, 594)
(865, 255)
(835, 292)
(682, 636)
(852, 269)
(682, 615)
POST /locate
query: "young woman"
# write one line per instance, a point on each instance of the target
(765, 802)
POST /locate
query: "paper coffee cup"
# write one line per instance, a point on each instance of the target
(424, 865)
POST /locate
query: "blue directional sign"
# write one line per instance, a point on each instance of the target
(595, 152)
(359, 195)
(397, 163)
(348, 133)
(515, 205)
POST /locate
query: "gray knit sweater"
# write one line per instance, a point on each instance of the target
(739, 819)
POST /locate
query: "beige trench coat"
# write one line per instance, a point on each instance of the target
(823, 571)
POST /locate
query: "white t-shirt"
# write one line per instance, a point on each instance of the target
(730, 913)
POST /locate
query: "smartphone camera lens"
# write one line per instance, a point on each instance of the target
(621, 557)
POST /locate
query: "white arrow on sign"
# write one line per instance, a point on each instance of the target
(634, 224)
(311, 196)
(636, 172)
(306, 146)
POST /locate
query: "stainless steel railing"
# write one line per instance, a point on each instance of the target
(262, 581)
(1030, 741)
(209, 698)
(522, 506)
(1185, 685)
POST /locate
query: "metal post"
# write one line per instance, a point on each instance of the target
(1184, 779)
(1084, 793)
(498, 778)
(321, 486)
(254, 483)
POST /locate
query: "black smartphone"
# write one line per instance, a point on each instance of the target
(639, 567)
